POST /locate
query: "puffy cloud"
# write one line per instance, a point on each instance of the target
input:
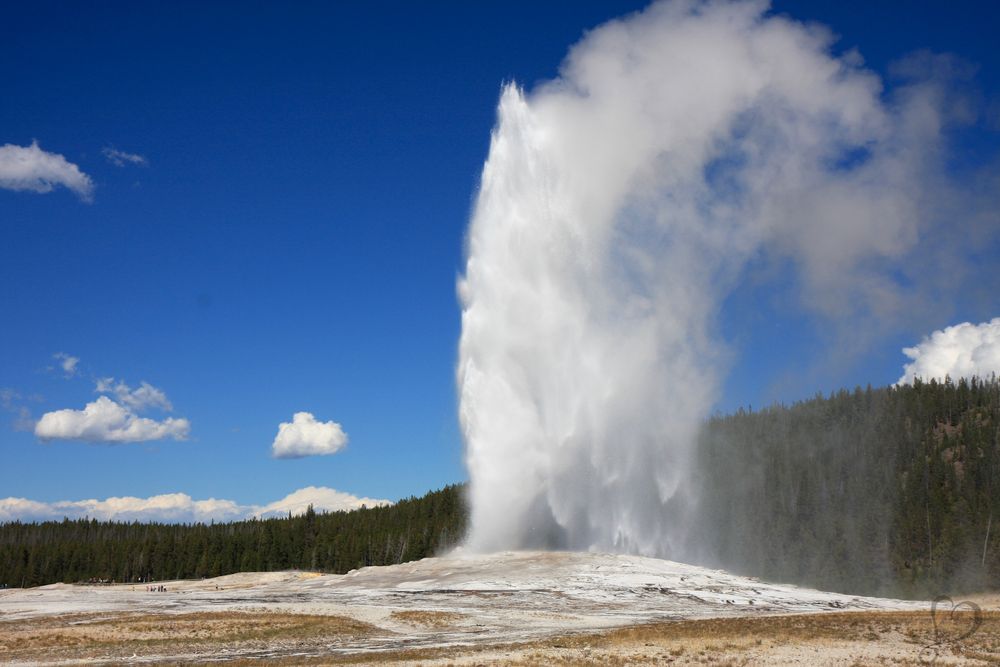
(145, 396)
(30, 168)
(180, 507)
(113, 420)
(171, 507)
(304, 436)
(67, 363)
(104, 420)
(121, 158)
(963, 350)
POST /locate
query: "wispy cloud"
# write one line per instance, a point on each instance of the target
(68, 363)
(32, 169)
(12, 401)
(121, 158)
(144, 397)
(180, 507)
(964, 350)
(305, 436)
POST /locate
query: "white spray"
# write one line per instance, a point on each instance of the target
(619, 205)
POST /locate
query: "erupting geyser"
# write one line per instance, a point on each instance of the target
(619, 206)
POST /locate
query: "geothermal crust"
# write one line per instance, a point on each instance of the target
(456, 600)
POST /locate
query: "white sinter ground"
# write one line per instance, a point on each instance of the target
(510, 596)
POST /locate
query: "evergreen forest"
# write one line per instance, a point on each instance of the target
(888, 491)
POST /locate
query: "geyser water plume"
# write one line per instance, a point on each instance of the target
(619, 206)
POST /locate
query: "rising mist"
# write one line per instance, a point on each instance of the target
(621, 204)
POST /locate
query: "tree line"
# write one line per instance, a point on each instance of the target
(891, 491)
(33, 554)
(888, 491)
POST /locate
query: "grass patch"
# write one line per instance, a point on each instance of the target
(428, 619)
(851, 638)
(102, 636)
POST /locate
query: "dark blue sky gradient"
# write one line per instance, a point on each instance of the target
(294, 242)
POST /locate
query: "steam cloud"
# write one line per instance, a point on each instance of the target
(621, 203)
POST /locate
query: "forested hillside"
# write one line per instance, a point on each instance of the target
(892, 491)
(34, 554)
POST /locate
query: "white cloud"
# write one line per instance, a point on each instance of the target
(67, 363)
(121, 158)
(104, 420)
(171, 507)
(305, 436)
(963, 350)
(323, 499)
(180, 507)
(145, 396)
(30, 168)
(112, 420)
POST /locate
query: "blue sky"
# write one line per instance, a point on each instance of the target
(292, 241)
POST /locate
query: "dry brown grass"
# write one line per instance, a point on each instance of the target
(99, 637)
(428, 619)
(884, 638)
(850, 639)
